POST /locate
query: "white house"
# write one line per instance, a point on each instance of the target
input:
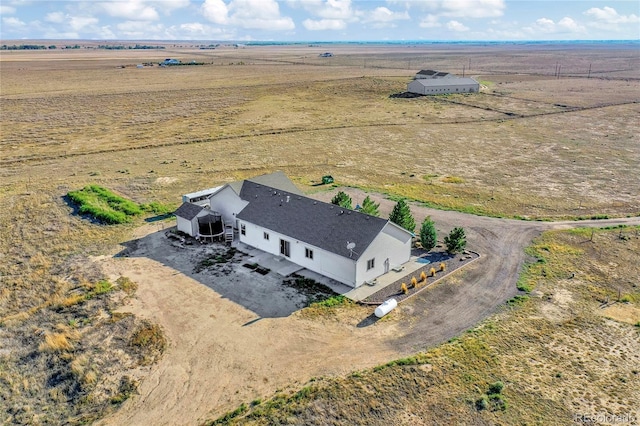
(430, 82)
(272, 215)
(426, 86)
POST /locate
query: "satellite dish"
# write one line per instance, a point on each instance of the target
(350, 247)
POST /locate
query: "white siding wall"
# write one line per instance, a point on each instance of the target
(393, 244)
(417, 87)
(326, 263)
(187, 226)
(228, 204)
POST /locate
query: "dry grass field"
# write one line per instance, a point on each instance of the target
(530, 145)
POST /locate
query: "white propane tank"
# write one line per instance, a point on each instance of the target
(386, 307)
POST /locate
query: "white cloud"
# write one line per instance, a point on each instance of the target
(472, 8)
(13, 22)
(78, 23)
(383, 14)
(256, 14)
(609, 15)
(215, 11)
(133, 9)
(7, 10)
(430, 21)
(569, 25)
(326, 9)
(324, 24)
(548, 26)
(55, 17)
(457, 26)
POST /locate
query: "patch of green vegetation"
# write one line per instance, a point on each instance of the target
(517, 300)
(227, 418)
(104, 205)
(453, 179)
(157, 208)
(107, 207)
(331, 302)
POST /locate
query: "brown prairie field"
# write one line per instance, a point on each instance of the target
(531, 145)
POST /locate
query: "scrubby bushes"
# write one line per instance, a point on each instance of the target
(107, 207)
(104, 205)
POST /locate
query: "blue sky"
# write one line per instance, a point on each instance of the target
(320, 20)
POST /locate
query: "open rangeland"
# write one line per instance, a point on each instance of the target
(530, 145)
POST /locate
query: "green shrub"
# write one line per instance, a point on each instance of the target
(482, 403)
(104, 205)
(496, 388)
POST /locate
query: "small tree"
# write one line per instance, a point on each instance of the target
(442, 266)
(343, 200)
(401, 215)
(403, 288)
(428, 236)
(432, 272)
(369, 207)
(423, 276)
(456, 241)
(414, 282)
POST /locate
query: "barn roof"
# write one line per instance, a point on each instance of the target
(188, 210)
(318, 224)
(446, 81)
(427, 72)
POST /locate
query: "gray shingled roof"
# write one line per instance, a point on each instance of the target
(322, 225)
(427, 72)
(188, 210)
(276, 180)
(446, 81)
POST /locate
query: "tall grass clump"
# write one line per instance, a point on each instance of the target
(104, 205)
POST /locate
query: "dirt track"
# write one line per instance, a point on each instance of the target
(221, 355)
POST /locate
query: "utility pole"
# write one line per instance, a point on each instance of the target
(589, 75)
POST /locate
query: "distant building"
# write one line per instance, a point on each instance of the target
(430, 82)
(326, 55)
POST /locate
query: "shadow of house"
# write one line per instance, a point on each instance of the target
(221, 268)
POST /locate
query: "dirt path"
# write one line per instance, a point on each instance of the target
(447, 310)
(221, 355)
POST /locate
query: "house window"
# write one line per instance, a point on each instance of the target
(266, 236)
(371, 263)
(285, 249)
(308, 253)
(243, 229)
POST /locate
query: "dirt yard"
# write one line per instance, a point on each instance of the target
(219, 324)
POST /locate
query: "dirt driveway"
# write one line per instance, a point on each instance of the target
(222, 353)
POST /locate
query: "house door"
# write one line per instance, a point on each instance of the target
(386, 265)
(285, 248)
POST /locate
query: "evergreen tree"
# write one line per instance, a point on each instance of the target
(369, 207)
(401, 215)
(343, 200)
(456, 241)
(428, 236)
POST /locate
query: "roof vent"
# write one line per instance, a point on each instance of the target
(288, 198)
(315, 202)
(341, 211)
